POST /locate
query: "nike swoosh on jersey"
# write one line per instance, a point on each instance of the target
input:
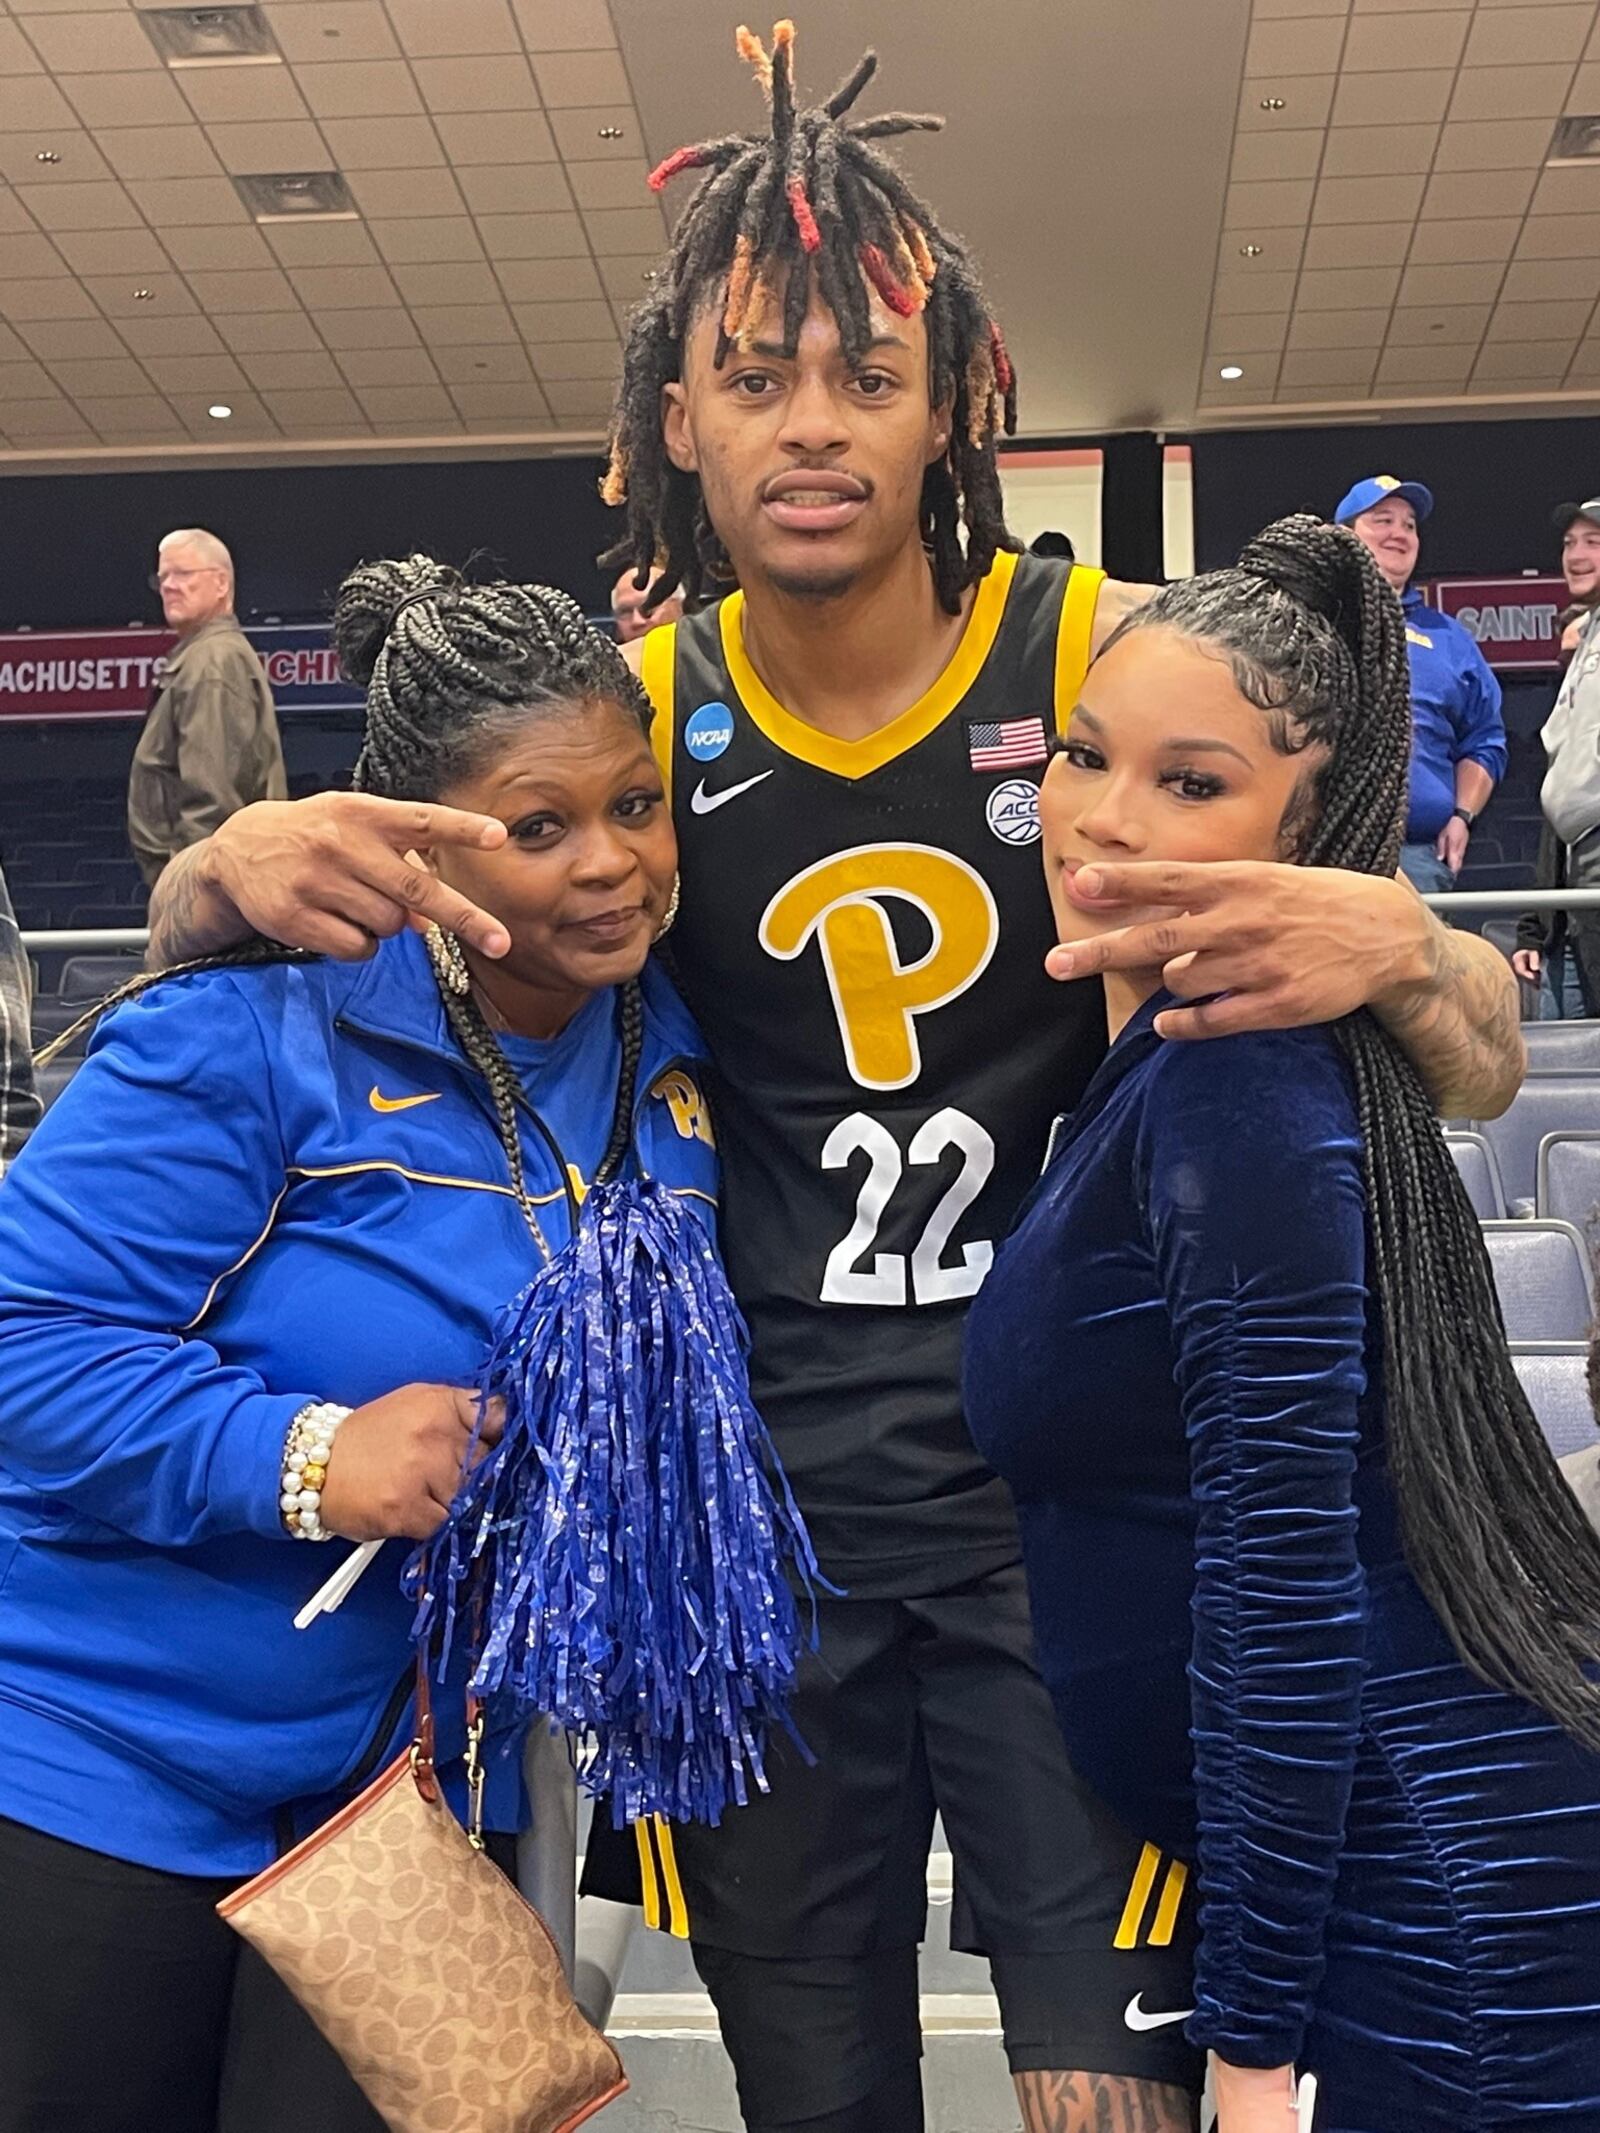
(380, 1102)
(1137, 2020)
(702, 802)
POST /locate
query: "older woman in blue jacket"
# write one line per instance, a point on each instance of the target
(249, 1267)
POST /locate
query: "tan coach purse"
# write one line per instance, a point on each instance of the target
(434, 1980)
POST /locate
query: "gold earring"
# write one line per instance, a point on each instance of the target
(671, 913)
(449, 964)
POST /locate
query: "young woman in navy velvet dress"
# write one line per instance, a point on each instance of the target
(1314, 1606)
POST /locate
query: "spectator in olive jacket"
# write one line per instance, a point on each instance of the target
(210, 745)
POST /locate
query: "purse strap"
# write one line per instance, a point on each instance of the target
(423, 1748)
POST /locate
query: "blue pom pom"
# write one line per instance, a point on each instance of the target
(621, 1552)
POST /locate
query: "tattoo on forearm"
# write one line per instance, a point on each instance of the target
(1462, 1030)
(1103, 2103)
(174, 903)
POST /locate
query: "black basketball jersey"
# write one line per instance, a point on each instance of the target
(862, 937)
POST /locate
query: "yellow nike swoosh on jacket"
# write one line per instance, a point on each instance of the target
(380, 1102)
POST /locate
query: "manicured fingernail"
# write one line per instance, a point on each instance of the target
(1089, 881)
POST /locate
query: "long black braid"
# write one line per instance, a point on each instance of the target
(809, 201)
(1496, 1538)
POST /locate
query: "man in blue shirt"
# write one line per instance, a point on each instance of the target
(1458, 740)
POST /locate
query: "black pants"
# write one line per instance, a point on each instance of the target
(127, 2006)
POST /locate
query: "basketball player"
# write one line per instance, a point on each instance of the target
(852, 744)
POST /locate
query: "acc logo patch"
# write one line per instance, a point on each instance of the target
(1012, 810)
(709, 732)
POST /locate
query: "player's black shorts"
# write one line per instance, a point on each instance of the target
(914, 1707)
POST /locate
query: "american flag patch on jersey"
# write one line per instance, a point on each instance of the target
(1006, 744)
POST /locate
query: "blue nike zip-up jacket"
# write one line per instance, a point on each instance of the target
(263, 1187)
(1455, 714)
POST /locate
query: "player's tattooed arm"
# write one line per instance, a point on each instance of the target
(1460, 1022)
(1103, 2103)
(1117, 600)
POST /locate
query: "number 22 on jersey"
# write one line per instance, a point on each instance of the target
(840, 904)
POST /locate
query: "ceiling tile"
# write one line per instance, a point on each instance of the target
(426, 28)
(538, 238)
(392, 328)
(320, 244)
(1510, 92)
(484, 366)
(29, 253)
(130, 416)
(250, 418)
(360, 88)
(566, 322)
(1236, 290)
(1347, 288)
(351, 288)
(1451, 284)
(1535, 280)
(1571, 191)
(1425, 366)
(41, 421)
(318, 32)
(34, 104)
(1368, 199)
(13, 350)
(1278, 155)
(580, 401)
(398, 193)
(15, 221)
(20, 152)
(1559, 237)
(1377, 44)
(50, 339)
(250, 332)
(1331, 367)
(305, 371)
(1263, 335)
(1505, 37)
(1376, 151)
(382, 143)
(249, 289)
(1480, 237)
(23, 381)
(387, 366)
(1357, 244)
(59, 296)
(460, 325)
(197, 202)
(232, 95)
(1548, 321)
(586, 136)
(576, 25)
(91, 43)
(102, 206)
(327, 410)
(108, 251)
(408, 403)
(197, 374)
(170, 336)
(625, 229)
(1486, 387)
(511, 403)
(434, 238)
(1339, 329)
(1584, 92)
(102, 100)
(1274, 250)
(517, 189)
(457, 282)
(499, 83)
(602, 185)
(1478, 192)
(160, 152)
(1438, 325)
(1304, 46)
(543, 280)
(496, 137)
(1404, 97)
(564, 360)
(101, 377)
(627, 279)
(1492, 144)
(1524, 359)
(282, 144)
(571, 81)
(17, 56)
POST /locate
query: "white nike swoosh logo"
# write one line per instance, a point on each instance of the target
(702, 802)
(1137, 2020)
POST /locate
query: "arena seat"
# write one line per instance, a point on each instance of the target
(1546, 1103)
(87, 978)
(1502, 934)
(1544, 1280)
(1480, 1174)
(1563, 1047)
(1569, 1179)
(1554, 1375)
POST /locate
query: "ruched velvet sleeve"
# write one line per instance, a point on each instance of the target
(1251, 1173)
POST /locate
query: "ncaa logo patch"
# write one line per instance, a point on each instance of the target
(1012, 810)
(709, 732)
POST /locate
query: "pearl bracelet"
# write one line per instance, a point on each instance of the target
(306, 1452)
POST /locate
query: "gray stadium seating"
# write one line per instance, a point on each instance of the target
(1553, 1375)
(1474, 1158)
(1563, 1047)
(87, 978)
(1569, 1179)
(1546, 1103)
(1544, 1279)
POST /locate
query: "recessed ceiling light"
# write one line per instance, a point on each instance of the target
(1249, 251)
(1577, 140)
(1272, 103)
(144, 296)
(48, 155)
(219, 412)
(610, 133)
(233, 35)
(1230, 371)
(297, 196)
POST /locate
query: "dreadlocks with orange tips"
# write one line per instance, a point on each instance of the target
(809, 205)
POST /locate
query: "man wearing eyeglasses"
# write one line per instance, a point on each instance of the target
(210, 744)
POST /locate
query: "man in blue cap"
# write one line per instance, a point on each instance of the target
(1458, 740)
